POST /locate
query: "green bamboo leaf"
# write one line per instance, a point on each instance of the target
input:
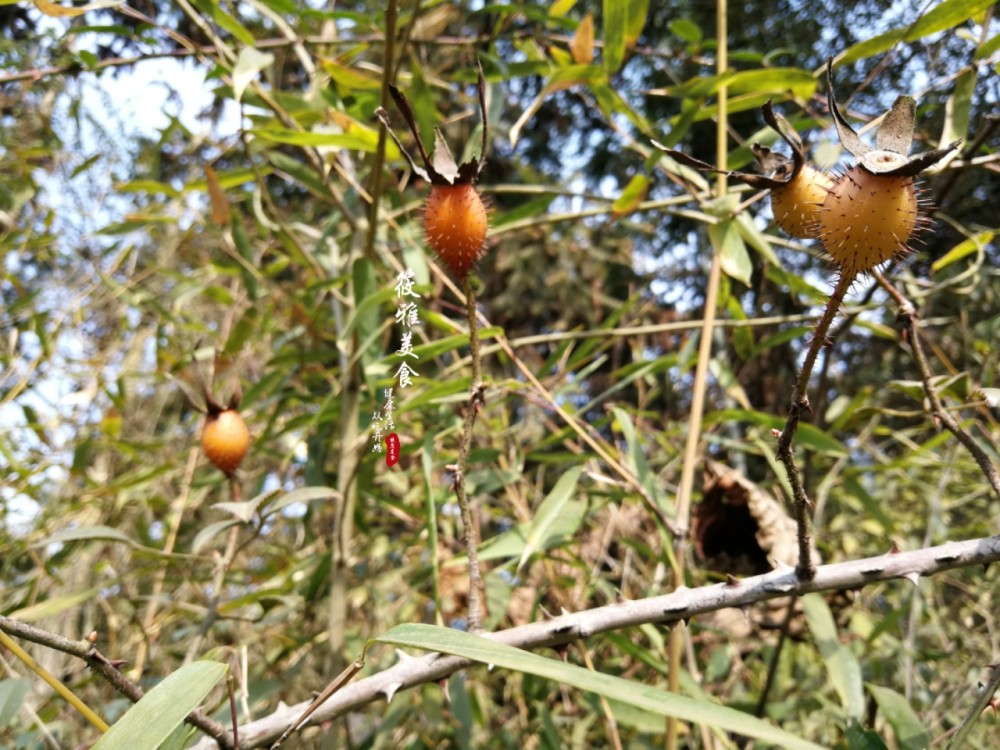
(958, 107)
(638, 461)
(225, 21)
(615, 31)
(302, 495)
(54, 605)
(550, 509)
(510, 544)
(352, 142)
(86, 533)
(487, 651)
(638, 10)
(976, 243)
(945, 16)
(249, 63)
(209, 532)
(633, 194)
(686, 29)
(841, 664)
(910, 732)
(733, 255)
(808, 435)
(154, 718)
(350, 78)
(12, 694)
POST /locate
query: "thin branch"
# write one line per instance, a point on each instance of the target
(465, 445)
(984, 699)
(668, 609)
(908, 317)
(106, 668)
(800, 404)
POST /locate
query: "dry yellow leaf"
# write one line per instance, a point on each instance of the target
(220, 204)
(62, 11)
(582, 45)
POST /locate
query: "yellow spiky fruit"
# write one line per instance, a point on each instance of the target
(867, 218)
(797, 204)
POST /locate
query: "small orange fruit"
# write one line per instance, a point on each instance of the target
(866, 219)
(225, 439)
(455, 222)
(797, 204)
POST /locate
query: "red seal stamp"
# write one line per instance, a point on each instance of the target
(391, 449)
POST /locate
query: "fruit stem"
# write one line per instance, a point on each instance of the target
(464, 502)
(806, 568)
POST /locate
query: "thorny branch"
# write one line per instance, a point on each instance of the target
(671, 608)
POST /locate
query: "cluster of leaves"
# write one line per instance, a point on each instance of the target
(139, 266)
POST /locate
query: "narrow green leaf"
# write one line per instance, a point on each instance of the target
(225, 21)
(53, 606)
(733, 255)
(561, 7)
(841, 664)
(349, 78)
(958, 107)
(638, 10)
(12, 694)
(487, 651)
(633, 194)
(808, 435)
(353, 142)
(547, 513)
(974, 244)
(302, 495)
(910, 733)
(82, 533)
(249, 63)
(988, 48)
(756, 239)
(209, 532)
(510, 544)
(150, 721)
(944, 16)
(615, 31)
(686, 29)
(623, 421)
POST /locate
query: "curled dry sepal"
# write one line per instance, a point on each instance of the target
(797, 189)
(863, 217)
(455, 217)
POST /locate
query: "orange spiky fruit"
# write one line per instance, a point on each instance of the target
(455, 218)
(455, 221)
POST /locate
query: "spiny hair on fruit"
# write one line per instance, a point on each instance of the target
(867, 219)
(455, 222)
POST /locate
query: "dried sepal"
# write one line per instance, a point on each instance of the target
(441, 168)
(778, 169)
(894, 138)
